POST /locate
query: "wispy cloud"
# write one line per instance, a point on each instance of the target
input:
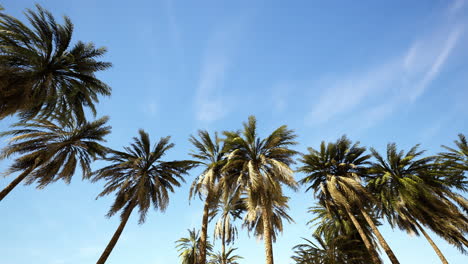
(381, 88)
(211, 103)
(456, 6)
(279, 96)
(175, 32)
(435, 67)
(152, 108)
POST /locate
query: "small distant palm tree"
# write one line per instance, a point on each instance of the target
(190, 247)
(211, 153)
(225, 258)
(52, 150)
(41, 74)
(140, 179)
(327, 251)
(334, 173)
(230, 208)
(261, 167)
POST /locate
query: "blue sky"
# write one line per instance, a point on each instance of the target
(378, 71)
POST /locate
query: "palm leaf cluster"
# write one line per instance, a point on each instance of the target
(42, 73)
(410, 191)
(189, 247)
(243, 175)
(337, 240)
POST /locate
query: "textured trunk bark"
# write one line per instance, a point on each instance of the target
(267, 237)
(223, 243)
(434, 246)
(365, 239)
(204, 231)
(114, 239)
(379, 236)
(14, 183)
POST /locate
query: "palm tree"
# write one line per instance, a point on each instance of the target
(455, 161)
(338, 235)
(458, 156)
(254, 219)
(227, 257)
(190, 247)
(403, 185)
(51, 150)
(230, 208)
(210, 152)
(262, 166)
(140, 179)
(328, 250)
(334, 172)
(41, 74)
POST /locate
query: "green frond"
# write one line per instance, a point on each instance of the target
(138, 175)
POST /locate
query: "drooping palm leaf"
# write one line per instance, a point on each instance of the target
(42, 73)
(52, 150)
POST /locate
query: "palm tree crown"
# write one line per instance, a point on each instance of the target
(455, 161)
(51, 150)
(227, 258)
(260, 167)
(211, 153)
(139, 177)
(189, 247)
(334, 173)
(41, 74)
(410, 194)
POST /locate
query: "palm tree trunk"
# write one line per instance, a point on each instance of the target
(14, 183)
(379, 236)
(115, 237)
(365, 239)
(204, 231)
(267, 236)
(434, 246)
(223, 244)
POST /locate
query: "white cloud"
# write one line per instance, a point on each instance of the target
(279, 96)
(344, 93)
(456, 6)
(210, 102)
(175, 32)
(152, 108)
(438, 63)
(398, 80)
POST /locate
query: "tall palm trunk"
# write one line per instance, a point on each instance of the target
(204, 230)
(267, 236)
(365, 239)
(434, 246)
(223, 243)
(14, 183)
(115, 237)
(379, 236)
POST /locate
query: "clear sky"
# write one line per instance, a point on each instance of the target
(378, 71)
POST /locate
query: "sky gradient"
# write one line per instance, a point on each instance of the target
(377, 71)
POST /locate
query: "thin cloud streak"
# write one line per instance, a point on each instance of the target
(399, 80)
(456, 6)
(439, 62)
(210, 102)
(175, 33)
